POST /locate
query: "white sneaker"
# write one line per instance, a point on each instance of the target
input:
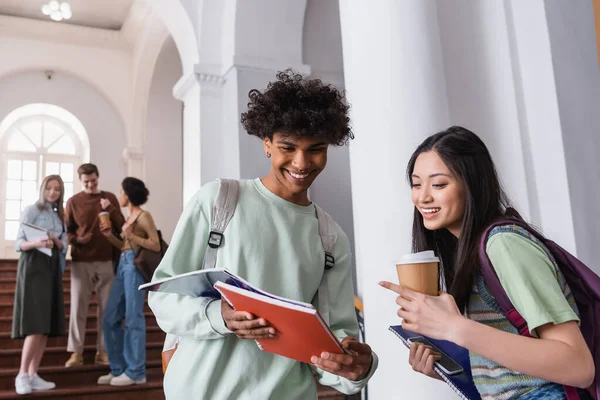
(124, 380)
(38, 384)
(23, 384)
(106, 379)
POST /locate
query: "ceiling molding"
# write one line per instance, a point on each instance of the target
(139, 17)
(28, 28)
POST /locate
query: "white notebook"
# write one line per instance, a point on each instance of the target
(34, 233)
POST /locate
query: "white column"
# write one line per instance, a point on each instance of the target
(541, 121)
(395, 80)
(203, 154)
(134, 159)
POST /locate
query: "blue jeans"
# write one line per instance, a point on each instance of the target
(548, 392)
(553, 391)
(126, 348)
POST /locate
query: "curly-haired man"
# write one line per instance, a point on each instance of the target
(273, 242)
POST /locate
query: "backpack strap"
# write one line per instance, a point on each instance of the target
(493, 283)
(223, 210)
(328, 234)
(495, 287)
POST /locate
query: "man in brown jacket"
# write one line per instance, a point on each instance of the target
(92, 254)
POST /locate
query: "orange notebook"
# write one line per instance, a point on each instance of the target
(301, 332)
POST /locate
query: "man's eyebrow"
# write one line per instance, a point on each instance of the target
(285, 142)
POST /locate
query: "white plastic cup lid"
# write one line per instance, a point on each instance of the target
(103, 212)
(417, 258)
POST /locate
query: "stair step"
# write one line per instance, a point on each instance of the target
(92, 321)
(57, 356)
(8, 295)
(152, 390)
(153, 334)
(6, 309)
(10, 272)
(10, 283)
(74, 376)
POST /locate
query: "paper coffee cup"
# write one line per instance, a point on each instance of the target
(105, 218)
(419, 272)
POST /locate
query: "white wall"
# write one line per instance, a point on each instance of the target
(322, 50)
(575, 61)
(101, 121)
(106, 70)
(481, 86)
(163, 165)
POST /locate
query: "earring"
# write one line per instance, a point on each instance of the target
(268, 155)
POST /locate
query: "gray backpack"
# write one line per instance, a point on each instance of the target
(223, 210)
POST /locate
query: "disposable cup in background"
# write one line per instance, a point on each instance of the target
(105, 218)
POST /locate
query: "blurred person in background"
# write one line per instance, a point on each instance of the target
(93, 258)
(39, 309)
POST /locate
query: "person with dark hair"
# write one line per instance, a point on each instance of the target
(92, 267)
(457, 196)
(273, 242)
(39, 309)
(126, 348)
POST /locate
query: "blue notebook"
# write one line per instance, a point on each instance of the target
(461, 383)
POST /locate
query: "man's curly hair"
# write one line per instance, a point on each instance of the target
(300, 107)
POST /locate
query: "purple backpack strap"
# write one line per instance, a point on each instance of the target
(495, 287)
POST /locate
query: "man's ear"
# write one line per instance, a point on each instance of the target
(267, 145)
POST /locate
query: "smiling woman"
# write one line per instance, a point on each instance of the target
(458, 198)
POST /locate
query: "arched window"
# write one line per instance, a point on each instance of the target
(35, 141)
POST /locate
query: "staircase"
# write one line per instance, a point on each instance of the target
(75, 383)
(79, 383)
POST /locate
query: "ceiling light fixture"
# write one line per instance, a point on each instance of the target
(57, 11)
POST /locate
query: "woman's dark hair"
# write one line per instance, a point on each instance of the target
(465, 154)
(135, 190)
(300, 107)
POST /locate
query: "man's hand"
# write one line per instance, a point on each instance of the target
(104, 226)
(353, 366)
(105, 203)
(84, 239)
(244, 325)
(107, 232)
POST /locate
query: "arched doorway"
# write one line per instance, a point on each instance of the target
(36, 140)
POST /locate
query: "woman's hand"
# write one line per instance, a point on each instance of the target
(57, 242)
(244, 325)
(422, 358)
(353, 366)
(433, 316)
(44, 243)
(127, 232)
